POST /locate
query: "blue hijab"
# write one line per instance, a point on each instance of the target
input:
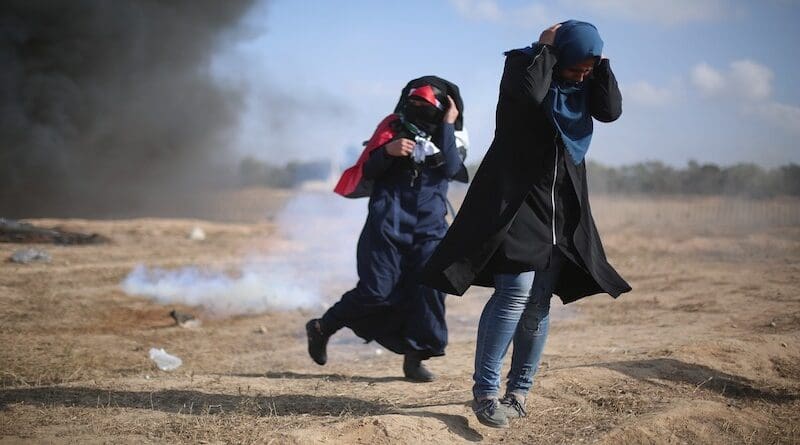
(567, 103)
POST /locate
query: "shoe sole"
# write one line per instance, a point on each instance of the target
(411, 379)
(492, 425)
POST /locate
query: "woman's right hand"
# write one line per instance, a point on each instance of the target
(548, 36)
(400, 147)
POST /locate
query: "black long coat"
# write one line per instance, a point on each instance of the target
(520, 162)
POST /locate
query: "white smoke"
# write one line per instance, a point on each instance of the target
(253, 289)
(323, 229)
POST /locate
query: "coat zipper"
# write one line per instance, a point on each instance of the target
(553, 189)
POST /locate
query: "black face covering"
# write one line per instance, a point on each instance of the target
(426, 117)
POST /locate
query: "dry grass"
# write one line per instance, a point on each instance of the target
(705, 350)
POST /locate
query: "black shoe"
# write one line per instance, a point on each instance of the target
(414, 370)
(317, 342)
(490, 413)
(513, 406)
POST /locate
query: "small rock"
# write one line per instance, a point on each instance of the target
(783, 344)
(184, 320)
(262, 329)
(773, 324)
(197, 234)
(29, 255)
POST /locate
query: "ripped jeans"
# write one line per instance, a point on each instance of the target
(519, 310)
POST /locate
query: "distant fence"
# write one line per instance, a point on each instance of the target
(697, 213)
(657, 178)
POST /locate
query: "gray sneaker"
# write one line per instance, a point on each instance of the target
(513, 406)
(490, 413)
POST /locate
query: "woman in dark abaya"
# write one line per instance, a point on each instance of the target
(525, 227)
(404, 169)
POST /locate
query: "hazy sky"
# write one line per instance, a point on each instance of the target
(709, 80)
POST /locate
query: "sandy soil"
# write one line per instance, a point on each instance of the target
(704, 350)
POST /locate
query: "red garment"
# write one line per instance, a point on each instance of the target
(427, 93)
(348, 185)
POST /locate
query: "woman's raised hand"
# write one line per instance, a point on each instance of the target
(548, 36)
(452, 111)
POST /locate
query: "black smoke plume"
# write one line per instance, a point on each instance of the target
(104, 102)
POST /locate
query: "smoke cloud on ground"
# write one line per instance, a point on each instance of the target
(105, 102)
(258, 287)
(317, 264)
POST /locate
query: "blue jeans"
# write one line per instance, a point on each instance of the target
(519, 310)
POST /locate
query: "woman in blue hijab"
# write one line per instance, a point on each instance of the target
(525, 226)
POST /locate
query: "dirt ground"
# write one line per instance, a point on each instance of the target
(704, 350)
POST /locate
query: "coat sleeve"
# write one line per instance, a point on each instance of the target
(527, 77)
(605, 100)
(452, 159)
(379, 161)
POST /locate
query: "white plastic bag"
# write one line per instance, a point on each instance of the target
(422, 149)
(197, 234)
(164, 361)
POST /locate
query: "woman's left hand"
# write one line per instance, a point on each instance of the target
(452, 112)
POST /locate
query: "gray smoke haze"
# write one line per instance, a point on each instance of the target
(310, 272)
(104, 102)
